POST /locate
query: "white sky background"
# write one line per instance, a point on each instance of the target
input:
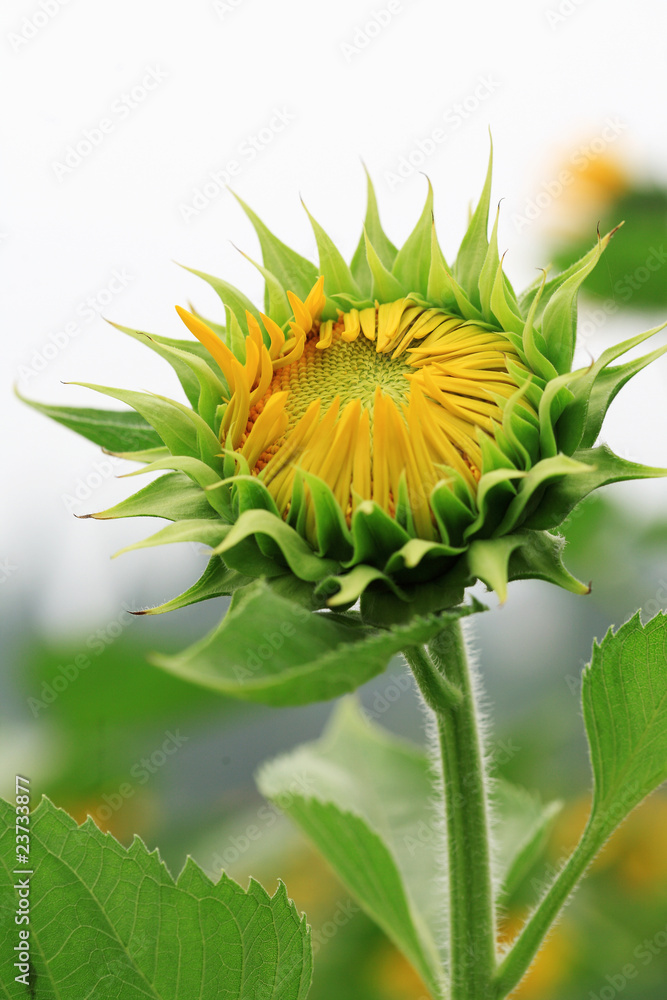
(545, 81)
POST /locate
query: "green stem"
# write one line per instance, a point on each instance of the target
(518, 960)
(444, 679)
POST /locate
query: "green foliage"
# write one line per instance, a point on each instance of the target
(625, 711)
(270, 648)
(372, 806)
(115, 430)
(368, 811)
(106, 918)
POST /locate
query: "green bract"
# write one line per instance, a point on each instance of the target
(235, 480)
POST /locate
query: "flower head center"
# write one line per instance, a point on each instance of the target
(347, 370)
(385, 401)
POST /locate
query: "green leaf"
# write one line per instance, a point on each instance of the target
(370, 804)
(294, 272)
(347, 588)
(115, 430)
(559, 469)
(148, 455)
(624, 695)
(625, 711)
(383, 607)
(269, 648)
(502, 305)
(546, 290)
(110, 921)
(488, 559)
(366, 801)
(212, 391)
(607, 386)
(173, 497)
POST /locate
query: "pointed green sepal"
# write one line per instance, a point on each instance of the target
(114, 430)
(559, 319)
(216, 581)
(297, 553)
(595, 389)
(474, 245)
(294, 272)
(205, 530)
(231, 297)
(540, 557)
(337, 275)
(174, 497)
(173, 352)
(385, 287)
(385, 249)
(413, 261)
(600, 468)
(276, 303)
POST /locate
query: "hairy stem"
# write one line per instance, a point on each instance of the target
(445, 681)
(518, 960)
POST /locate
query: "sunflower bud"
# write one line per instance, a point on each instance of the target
(392, 430)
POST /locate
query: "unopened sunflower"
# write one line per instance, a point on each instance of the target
(391, 430)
